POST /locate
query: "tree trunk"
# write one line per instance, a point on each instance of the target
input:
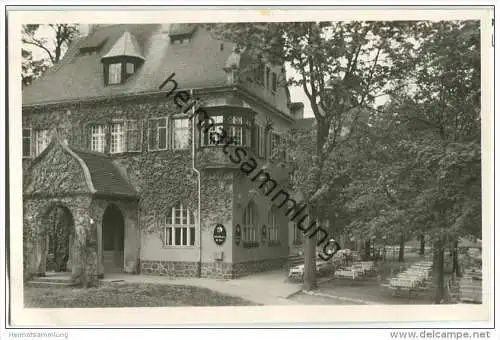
(422, 245)
(367, 249)
(310, 282)
(401, 249)
(439, 272)
(456, 269)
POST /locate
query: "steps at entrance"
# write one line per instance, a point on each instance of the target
(295, 260)
(54, 280)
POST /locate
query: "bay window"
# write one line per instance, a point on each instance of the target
(229, 126)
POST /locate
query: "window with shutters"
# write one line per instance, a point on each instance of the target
(157, 134)
(27, 143)
(133, 135)
(180, 227)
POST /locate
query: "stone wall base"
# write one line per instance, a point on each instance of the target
(215, 270)
(170, 268)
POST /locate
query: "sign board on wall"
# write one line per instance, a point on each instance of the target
(220, 234)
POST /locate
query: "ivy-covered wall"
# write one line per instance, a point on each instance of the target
(162, 179)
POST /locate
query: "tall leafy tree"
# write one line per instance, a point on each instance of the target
(342, 67)
(430, 160)
(52, 43)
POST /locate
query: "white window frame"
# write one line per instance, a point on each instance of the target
(127, 68)
(128, 131)
(249, 225)
(110, 79)
(117, 137)
(218, 128)
(175, 129)
(157, 146)
(96, 136)
(30, 138)
(42, 140)
(235, 128)
(170, 226)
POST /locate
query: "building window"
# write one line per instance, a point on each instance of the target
(262, 142)
(259, 73)
(275, 143)
(235, 129)
(134, 135)
(273, 226)
(179, 227)
(256, 138)
(157, 134)
(27, 143)
(275, 83)
(115, 73)
(117, 138)
(212, 137)
(180, 133)
(42, 141)
(250, 224)
(97, 138)
(230, 126)
(130, 68)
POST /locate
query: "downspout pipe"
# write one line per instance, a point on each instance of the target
(198, 174)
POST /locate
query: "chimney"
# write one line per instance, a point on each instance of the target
(297, 110)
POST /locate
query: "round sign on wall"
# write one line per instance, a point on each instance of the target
(237, 234)
(219, 234)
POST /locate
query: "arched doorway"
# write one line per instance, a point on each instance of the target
(113, 239)
(57, 239)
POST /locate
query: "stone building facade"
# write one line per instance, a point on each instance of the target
(104, 145)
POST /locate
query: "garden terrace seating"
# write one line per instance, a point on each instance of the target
(322, 268)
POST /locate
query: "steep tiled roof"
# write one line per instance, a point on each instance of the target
(105, 175)
(182, 29)
(197, 64)
(127, 46)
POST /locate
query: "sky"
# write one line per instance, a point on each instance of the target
(296, 93)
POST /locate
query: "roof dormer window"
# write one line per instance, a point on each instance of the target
(122, 61)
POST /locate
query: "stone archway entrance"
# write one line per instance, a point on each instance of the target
(113, 239)
(60, 234)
